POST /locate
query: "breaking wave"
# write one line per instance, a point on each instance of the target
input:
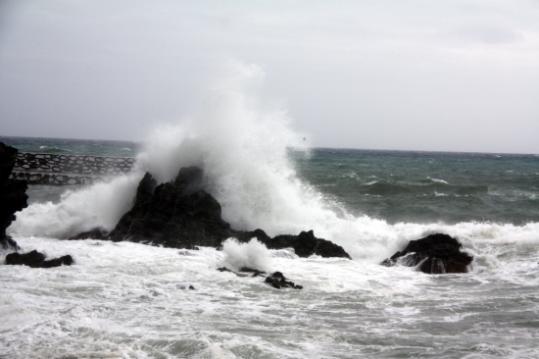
(243, 147)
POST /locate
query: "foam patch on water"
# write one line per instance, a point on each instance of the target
(252, 254)
(130, 300)
(242, 145)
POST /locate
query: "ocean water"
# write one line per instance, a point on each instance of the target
(396, 186)
(71, 146)
(127, 300)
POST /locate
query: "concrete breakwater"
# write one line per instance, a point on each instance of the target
(59, 170)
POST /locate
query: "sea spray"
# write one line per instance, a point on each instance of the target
(243, 147)
(98, 205)
(252, 254)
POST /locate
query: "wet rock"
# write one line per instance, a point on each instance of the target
(225, 269)
(278, 280)
(13, 196)
(177, 214)
(36, 259)
(181, 214)
(434, 254)
(304, 244)
(95, 233)
(186, 287)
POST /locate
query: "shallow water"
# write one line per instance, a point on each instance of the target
(127, 300)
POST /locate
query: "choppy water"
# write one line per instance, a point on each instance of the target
(126, 300)
(396, 186)
(72, 147)
(429, 186)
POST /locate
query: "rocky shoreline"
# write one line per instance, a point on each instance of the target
(13, 198)
(182, 214)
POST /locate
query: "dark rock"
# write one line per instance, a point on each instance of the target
(8, 243)
(13, 196)
(95, 233)
(32, 259)
(434, 254)
(186, 287)
(304, 244)
(178, 214)
(181, 214)
(278, 280)
(66, 260)
(36, 259)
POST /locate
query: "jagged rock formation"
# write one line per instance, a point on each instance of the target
(177, 214)
(181, 214)
(278, 280)
(304, 244)
(13, 196)
(435, 254)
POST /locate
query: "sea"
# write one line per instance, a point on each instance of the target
(130, 300)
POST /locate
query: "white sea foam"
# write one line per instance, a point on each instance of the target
(252, 254)
(129, 300)
(98, 205)
(242, 146)
(437, 180)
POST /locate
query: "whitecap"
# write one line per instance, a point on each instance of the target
(437, 180)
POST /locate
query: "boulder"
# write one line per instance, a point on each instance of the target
(36, 259)
(304, 244)
(181, 214)
(278, 280)
(177, 214)
(434, 254)
(13, 196)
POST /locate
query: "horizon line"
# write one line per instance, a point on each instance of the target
(314, 147)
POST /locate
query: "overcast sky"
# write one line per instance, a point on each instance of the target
(459, 75)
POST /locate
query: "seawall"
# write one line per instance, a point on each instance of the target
(60, 170)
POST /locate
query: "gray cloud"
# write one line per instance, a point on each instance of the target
(460, 75)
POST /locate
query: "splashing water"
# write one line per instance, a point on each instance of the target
(130, 300)
(243, 148)
(252, 254)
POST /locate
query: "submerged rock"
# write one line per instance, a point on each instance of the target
(278, 280)
(95, 233)
(36, 259)
(243, 271)
(253, 271)
(435, 254)
(181, 214)
(13, 195)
